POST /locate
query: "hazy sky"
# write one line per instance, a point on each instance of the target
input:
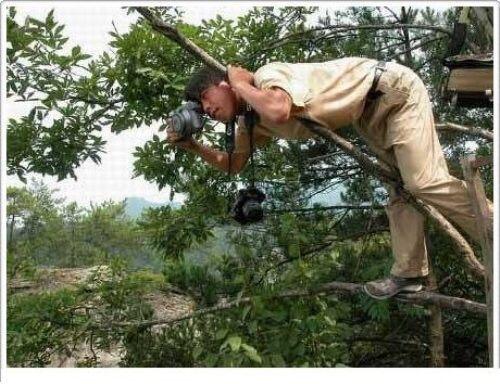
(87, 25)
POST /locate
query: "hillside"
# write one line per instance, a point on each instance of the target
(135, 205)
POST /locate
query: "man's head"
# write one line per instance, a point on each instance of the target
(211, 89)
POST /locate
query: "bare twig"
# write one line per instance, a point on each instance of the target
(348, 27)
(423, 43)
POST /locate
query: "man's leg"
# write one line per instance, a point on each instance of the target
(408, 246)
(407, 237)
(423, 168)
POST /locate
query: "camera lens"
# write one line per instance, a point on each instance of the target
(252, 210)
(176, 122)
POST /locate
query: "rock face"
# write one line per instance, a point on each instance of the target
(106, 359)
(53, 279)
(168, 305)
(165, 305)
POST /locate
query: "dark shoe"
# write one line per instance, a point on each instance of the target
(392, 285)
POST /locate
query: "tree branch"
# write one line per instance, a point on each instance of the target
(333, 287)
(173, 34)
(328, 208)
(472, 131)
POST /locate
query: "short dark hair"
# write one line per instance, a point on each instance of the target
(201, 80)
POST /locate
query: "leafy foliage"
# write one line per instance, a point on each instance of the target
(45, 325)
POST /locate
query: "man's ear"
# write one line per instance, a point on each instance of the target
(224, 84)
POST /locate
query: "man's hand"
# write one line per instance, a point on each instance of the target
(238, 75)
(175, 139)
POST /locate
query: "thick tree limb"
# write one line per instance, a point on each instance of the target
(383, 340)
(472, 131)
(383, 170)
(173, 34)
(333, 287)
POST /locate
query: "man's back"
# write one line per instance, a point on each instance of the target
(332, 93)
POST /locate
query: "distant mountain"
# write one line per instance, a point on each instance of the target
(135, 205)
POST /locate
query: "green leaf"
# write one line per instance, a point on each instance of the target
(245, 312)
(329, 321)
(253, 326)
(221, 333)
(75, 51)
(211, 360)
(49, 21)
(234, 342)
(84, 57)
(277, 360)
(197, 352)
(177, 87)
(251, 353)
(38, 23)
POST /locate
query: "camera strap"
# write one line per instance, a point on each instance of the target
(230, 132)
(251, 119)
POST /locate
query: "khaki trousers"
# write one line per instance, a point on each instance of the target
(401, 123)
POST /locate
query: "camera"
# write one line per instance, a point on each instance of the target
(248, 206)
(187, 119)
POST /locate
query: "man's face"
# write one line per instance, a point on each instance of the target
(219, 102)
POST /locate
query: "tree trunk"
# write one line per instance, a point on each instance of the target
(11, 232)
(435, 320)
(406, 36)
(470, 165)
(435, 326)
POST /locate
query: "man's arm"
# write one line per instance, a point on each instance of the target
(216, 158)
(274, 105)
(220, 159)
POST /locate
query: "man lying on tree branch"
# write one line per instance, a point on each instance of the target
(388, 105)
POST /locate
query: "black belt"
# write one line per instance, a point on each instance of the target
(379, 69)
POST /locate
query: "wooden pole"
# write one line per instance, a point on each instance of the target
(470, 166)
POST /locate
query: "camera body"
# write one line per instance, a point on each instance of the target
(248, 206)
(187, 119)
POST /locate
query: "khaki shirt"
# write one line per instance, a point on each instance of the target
(332, 93)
